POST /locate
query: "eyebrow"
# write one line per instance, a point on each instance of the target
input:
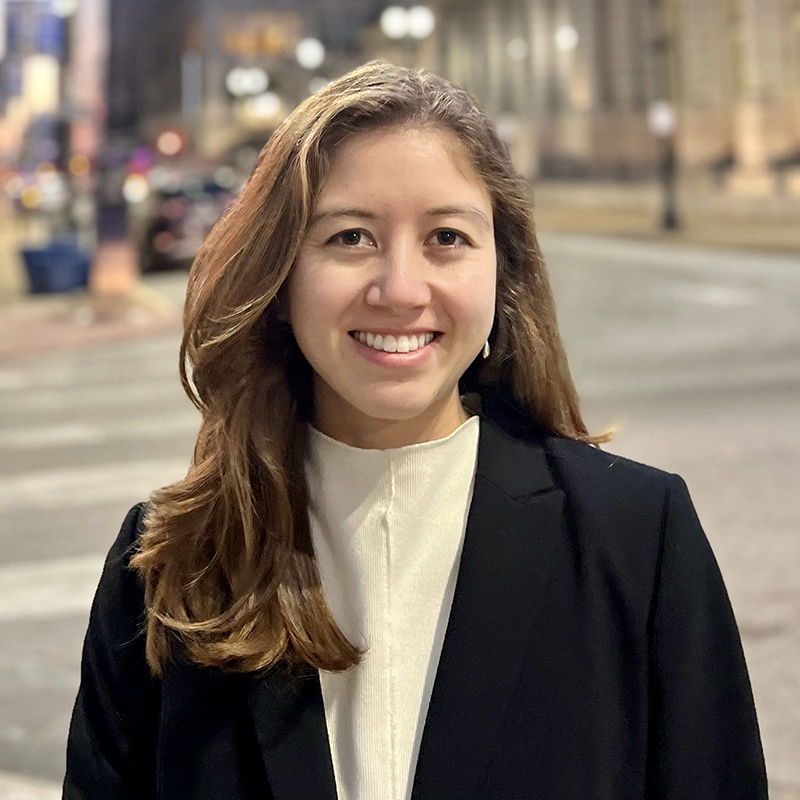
(465, 210)
(460, 210)
(331, 213)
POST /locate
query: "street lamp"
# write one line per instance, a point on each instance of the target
(662, 123)
(421, 22)
(567, 38)
(394, 22)
(517, 49)
(64, 8)
(410, 25)
(661, 116)
(310, 53)
(246, 81)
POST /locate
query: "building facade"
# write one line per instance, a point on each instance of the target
(581, 88)
(169, 63)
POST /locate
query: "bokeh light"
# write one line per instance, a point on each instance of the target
(310, 53)
(79, 166)
(170, 143)
(136, 188)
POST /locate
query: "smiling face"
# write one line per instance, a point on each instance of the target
(393, 294)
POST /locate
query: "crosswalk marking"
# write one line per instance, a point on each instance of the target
(20, 787)
(78, 486)
(47, 589)
(78, 433)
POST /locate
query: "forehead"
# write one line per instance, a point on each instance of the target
(402, 159)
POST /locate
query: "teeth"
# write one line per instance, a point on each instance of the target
(394, 344)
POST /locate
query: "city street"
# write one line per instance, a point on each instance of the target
(692, 354)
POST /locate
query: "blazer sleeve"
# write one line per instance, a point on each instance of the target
(704, 734)
(111, 744)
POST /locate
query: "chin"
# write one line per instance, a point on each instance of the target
(399, 408)
(393, 412)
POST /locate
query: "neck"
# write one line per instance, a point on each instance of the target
(369, 433)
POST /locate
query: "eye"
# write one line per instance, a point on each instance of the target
(450, 238)
(351, 238)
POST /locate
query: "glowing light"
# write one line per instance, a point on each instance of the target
(243, 81)
(567, 38)
(265, 106)
(517, 49)
(226, 177)
(661, 118)
(45, 167)
(169, 143)
(507, 126)
(394, 22)
(64, 8)
(135, 189)
(165, 179)
(317, 84)
(398, 22)
(310, 53)
(14, 185)
(421, 22)
(79, 166)
(41, 84)
(31, 198)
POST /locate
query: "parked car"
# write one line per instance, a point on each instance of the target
(179, 222)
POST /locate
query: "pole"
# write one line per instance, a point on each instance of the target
(669, 209)
(662, 116)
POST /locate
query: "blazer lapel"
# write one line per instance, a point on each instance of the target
(513, 529)
(514, 525)
(290, 724)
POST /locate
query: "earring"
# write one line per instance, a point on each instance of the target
(486, 349)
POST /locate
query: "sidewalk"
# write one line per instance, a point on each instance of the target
(633, 210)
(21, 787)
(117, 305)
(81, 319)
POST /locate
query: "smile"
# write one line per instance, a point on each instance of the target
(393, 344)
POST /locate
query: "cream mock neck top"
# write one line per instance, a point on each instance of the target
(387, 528)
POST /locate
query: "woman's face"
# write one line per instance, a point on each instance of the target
(393, 294)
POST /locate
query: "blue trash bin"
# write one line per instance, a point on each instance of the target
(59, 267)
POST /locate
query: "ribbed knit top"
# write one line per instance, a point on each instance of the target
(387, 528)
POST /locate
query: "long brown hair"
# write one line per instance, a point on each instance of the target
(226, 556)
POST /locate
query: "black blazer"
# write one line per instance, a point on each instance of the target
(591, 654)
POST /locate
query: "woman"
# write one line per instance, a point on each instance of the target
(398, 567)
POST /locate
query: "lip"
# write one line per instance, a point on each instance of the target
(395, 331)
(385, 359)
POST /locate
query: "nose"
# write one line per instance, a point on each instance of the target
(402, 282)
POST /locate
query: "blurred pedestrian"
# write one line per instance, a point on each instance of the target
(399, 565)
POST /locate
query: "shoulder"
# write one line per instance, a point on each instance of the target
(608, 487)
(603, 493)
(599, 470)
(118, 608)
(515, 447)
(131, 529)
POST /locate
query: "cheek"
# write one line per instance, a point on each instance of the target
(301, 302)
(478, 301)
(317, 302)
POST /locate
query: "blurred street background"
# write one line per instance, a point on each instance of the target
(662, 142)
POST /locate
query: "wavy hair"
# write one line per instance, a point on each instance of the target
(226, 556)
